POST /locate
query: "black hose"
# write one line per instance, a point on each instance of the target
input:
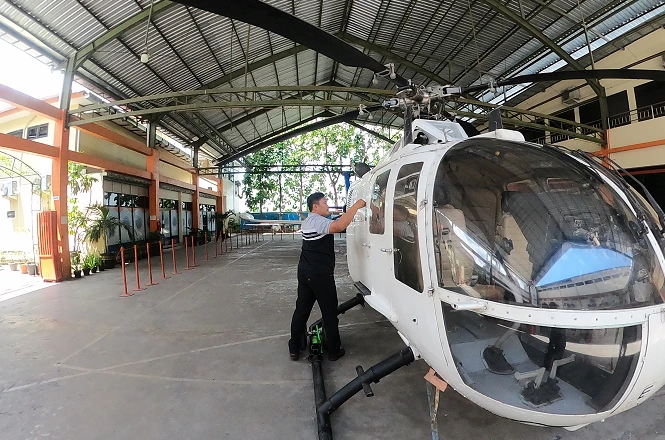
(373, 375)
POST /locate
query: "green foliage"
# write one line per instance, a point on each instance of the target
(76, 219)
(75, 259)
(89, 261)
(338, 145)
(79, 181)
(101, 223)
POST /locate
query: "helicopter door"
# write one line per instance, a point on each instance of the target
(407, 235)
(380, 249)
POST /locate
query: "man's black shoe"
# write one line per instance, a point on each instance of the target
(294, 356)
(334, 356)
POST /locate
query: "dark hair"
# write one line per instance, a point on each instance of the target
(313, 199)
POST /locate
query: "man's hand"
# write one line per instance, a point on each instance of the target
(360, 203)
(345, 219)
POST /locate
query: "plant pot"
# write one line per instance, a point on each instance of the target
(13, 266)
(94, 269)
(24, 268)
(108, 261)
(77, 274)
(86, 271)
(102, 268)
(32, 269)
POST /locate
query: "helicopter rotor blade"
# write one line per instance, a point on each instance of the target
(564, 75)
(270, 18)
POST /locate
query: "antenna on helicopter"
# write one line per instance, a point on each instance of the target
(495, 122)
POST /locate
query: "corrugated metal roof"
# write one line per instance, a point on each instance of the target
(455, 39)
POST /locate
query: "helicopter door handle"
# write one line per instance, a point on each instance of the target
(367, 244)
(388, 250)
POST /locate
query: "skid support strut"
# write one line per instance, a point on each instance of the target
(324, 406)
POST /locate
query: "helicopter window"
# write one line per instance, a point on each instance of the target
(377, 223)
(546, 369)
(527, 225)
(405, 227)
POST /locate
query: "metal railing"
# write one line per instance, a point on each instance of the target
(626, 118)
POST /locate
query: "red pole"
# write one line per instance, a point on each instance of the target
(193, 253)
(175, 267)
(136, 265)
(147, 247)
(124, 273)
(161, 259)
(205, 237)
(187, 254)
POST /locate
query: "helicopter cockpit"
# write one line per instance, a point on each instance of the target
(530, 226)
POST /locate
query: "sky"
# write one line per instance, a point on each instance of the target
(26, 74)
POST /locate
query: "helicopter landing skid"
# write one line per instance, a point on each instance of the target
(325, 407)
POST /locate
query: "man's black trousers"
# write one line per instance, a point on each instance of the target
(319, 288)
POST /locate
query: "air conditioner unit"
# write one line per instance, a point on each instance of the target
(9, 188)
(571, 96)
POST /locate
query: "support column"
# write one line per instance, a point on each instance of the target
(59, 182)
(66, 92)
(153, 191)
(632, 104)
(153, 168)
(220, 196)
(195, 201)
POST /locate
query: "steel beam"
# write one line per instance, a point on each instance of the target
(526, 25)
(391, 55)
(230, 91)
(225, 104)
(372, 132)
(87, 51)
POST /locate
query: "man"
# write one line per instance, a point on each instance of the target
(316, 282)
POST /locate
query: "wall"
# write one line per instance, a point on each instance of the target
(97, 147)
(173, 172)
(647, 46)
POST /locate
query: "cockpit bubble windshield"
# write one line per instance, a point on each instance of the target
(529, 225)
(546, 369)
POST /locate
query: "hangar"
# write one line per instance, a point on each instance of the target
(173, 92)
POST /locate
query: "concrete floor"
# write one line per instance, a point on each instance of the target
(203, 356)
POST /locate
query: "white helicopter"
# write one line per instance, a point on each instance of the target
(529, 277)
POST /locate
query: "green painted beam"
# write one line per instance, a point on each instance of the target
(225, 104)
(88, 50)
(526, 25)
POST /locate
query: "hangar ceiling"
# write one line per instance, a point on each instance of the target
(239, 87)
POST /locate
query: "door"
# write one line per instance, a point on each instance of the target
(409, 285)
(379, 244)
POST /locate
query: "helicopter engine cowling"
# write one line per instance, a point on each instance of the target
(530, 278)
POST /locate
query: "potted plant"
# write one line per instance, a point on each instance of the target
(99, 226)
(98, 263)
(13, 265)
(32, 268)
(75, 259)
(86, 265)
(24, 267)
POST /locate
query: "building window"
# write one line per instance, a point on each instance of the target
(38, 131)
(16, 133)
(650, 100)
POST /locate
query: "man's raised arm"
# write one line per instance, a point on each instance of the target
(345, 219)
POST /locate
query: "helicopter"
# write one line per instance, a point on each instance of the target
(531, 278)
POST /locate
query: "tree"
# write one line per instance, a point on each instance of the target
(334, 146)
(100, 223)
